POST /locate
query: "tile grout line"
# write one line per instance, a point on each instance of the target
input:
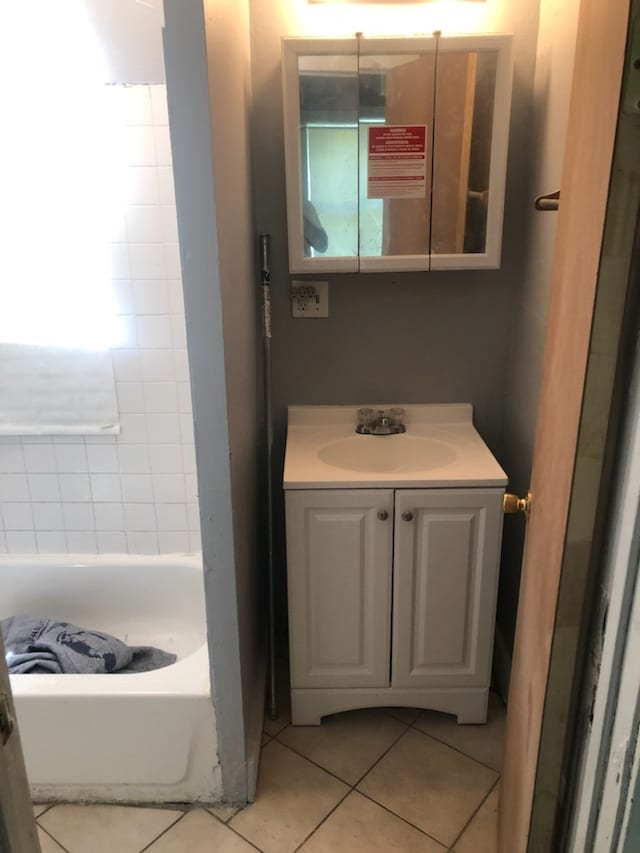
(239, 835)
(459, 751)
(268, 734)
(351, 787)
(408, 821)
(164, 831)
(310, 761)
(52, 837)
(354, 787)
(330, 772)
(48, 808)
(480, 805)
(324, 819)
(379, 759)
(403, 819)
(225, 822)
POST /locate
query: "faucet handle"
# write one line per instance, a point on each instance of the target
(365, 419)
(397, 419)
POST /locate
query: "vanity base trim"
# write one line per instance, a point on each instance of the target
(468, 704)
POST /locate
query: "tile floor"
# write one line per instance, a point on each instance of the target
(375, 780)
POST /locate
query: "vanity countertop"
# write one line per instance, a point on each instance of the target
(440, 449)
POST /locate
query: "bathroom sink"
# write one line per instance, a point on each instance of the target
(440, 449)
(387, 454)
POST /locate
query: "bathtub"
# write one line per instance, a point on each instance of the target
(139, 737)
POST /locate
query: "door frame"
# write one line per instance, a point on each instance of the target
(610, 691)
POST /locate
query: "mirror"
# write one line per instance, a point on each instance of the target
(395, 152)
(329, 154)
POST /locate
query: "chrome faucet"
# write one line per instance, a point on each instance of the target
(381, 422)
(381, 425)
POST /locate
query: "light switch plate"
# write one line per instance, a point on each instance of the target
(310, 299)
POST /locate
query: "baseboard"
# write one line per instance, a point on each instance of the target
(501, 664)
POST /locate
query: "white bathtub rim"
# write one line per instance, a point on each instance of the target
(188, 676)
(80, 560)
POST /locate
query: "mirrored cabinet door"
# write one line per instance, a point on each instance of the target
(395, 152)
(396, 120)
(471, 125)
(321, 141)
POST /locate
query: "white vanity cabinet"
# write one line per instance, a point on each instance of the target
(392, 598)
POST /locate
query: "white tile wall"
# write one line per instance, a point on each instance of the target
(136, 492)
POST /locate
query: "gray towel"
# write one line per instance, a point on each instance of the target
(41, 645)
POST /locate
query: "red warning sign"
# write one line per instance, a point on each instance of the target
(397, 161)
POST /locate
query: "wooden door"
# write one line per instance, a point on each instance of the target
(17, 826)
(339, 583)
(447, 554)
(600, 47)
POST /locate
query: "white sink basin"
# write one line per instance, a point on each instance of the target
(440, 449)
(387, 453)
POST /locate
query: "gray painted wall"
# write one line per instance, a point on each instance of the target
(548, 125)
(206, 52)
(228, 53)
(438, 337)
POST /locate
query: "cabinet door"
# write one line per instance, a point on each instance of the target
(396, 161)
(339, 582)
(447, 548)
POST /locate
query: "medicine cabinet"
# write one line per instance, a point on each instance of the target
(395, 152)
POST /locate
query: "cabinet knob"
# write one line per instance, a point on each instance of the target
(383, 515)
(407, 516)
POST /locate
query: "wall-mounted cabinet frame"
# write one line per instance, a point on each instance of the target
(396, 152)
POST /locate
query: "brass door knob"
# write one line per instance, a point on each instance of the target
(407, 516)
(514, 503)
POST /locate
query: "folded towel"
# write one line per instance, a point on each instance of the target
(41, 645)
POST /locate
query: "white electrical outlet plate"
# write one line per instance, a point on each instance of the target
(310, 298)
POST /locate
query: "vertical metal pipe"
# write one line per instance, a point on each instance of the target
(265, 280)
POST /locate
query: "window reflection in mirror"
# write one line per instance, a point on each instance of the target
(342, 98)
(329, 154)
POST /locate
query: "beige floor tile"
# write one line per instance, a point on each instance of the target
(223, 813)
(360, 826)
(481, 836)
(38, 808)
(407, 715)
(200, 832)
(484, 743)
(293, 796)
(432, 786)
(105, 829)
(47, 844)
(345, 744)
